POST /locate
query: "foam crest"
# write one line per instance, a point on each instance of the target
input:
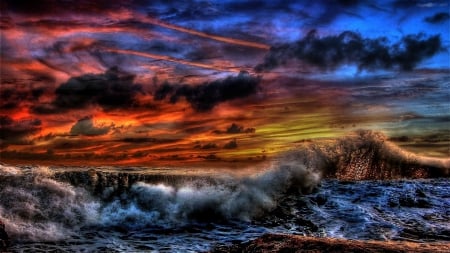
(35, 207)
(233, 199)
(9, 170)
(35, 203)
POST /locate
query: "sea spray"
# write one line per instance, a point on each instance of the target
(233, 199)
(35, 207)
(367, 155)
(362, 155)
(39, 204)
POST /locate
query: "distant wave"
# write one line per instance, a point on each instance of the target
(363, 155)
(368, 155)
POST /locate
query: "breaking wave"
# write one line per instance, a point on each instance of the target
(35, 206)
(42, 204)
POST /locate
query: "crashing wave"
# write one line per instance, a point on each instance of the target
(367, 155)
(36, 205)
(42, 204)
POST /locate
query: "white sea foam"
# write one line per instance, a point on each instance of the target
(36, 207)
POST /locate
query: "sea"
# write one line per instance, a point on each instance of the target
(95, 210)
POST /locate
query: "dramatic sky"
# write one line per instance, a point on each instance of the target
(176, 82)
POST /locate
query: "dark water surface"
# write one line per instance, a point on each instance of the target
(42, 214)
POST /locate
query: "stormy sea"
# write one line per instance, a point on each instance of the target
(359, 187)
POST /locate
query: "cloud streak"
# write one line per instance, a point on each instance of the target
(208, 36)
(170, 59)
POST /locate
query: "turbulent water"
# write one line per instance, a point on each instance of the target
(41, 213)
(87, 210)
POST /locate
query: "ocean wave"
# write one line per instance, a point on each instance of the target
(362, 155)
(38, 203)
(34, 206)
(368, 155)
(233, 199)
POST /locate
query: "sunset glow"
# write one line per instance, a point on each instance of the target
(128, 83)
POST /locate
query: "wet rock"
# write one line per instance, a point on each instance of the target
(409, 201)
(291, 243)
(420, 193)
(107, 249)
(423, 234)
(406, 201)
(392, 203)
(97, 181)
(422, 203)
(307, 223)
(4, 238)
(320, 199)
(144, 248)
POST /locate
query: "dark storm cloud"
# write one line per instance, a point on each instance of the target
(231, 145)
(6, 23)
(235, 129)
(210, 157)
(111, 90)
(182, 10)
(437, 18)
(85, 126)
(409, 4)
(45, 7)
(164, 90)
(330, 52)
(256, 5)
(206, 96)
(139, 140)
(147, 140)
(209, 145)
(405, 3)
(15, 132)
(12, 98)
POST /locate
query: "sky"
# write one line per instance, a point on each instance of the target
(137, 82)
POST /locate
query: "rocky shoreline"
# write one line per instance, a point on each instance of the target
(298, 244)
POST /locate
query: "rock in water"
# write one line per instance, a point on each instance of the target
(300, 244)
(4, 238)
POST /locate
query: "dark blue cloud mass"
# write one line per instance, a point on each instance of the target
(111, 90)
(439, 17)
(206, 96)
(330, 52)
